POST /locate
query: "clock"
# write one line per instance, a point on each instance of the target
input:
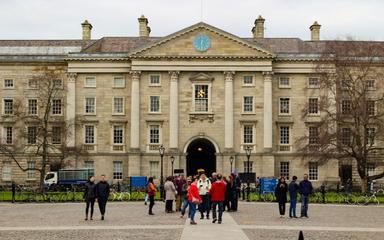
(202, 43)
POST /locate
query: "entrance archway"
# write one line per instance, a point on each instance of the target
(201, 154)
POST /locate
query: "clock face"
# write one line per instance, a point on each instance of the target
(202, 43)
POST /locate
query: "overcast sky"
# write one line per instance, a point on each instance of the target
(60, 19)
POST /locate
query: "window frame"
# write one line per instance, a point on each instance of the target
(245, 165)
(284, 170)
(311, 86)
(53, 105)
(94, 106)
(7, 87)
(28, 135)
(90, 86)
(94, 134)
(283, 78)
(289, 106)
(209, 89)
(114, 82)
(313, 169)
(317, 106)
(31, 174)
(3, 110)
(54, 137)
(8, 166)
(117, 171)
(122, 135)
(61, 86)
(154, 172)
(252, 84)
(5, 135)
(114, 106)
(150, 104)
(252, 105)
(150, 80)
(28, 107)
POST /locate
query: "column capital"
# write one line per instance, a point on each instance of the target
(71, 77)
(174, 75)
(268, 75)
(135, 74)
(229, 75)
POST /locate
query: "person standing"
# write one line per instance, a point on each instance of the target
(102, 194)
(13, 192)
(236, 186)
(193, 200)
(170, 194)
(281, 195)
(293, 189)
(151, 190)
(306, 189)
(204, 185)
(179, 183)
(217, 193)
(214, 177)
(228, 194)
(89, 196)
(184, 196)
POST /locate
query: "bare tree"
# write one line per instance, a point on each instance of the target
(351, 106)
(41, 131)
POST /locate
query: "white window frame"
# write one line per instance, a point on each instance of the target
(61, 107)
(113, 134)
(6, 175)
(150, 104)
(5, 135)
(154, 172)
(209, 84)
(248, 84)
(318, 106)
(8, 79)
(152, 147)
(113, 106)
(119, 77)
(311, 86)
(289, 106)
(154, 84)
(3, 110)
(94, 134)
(285, 169)
(253, 105)
(85, 105)
(90, 86)
(284, 86)
(28, 106)
(117, 171)
(29, 86)
(313, 171)
(374, 107)
(31, 174)
(88, 163)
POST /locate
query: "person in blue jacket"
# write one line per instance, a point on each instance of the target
(305, 188)
(293, 188)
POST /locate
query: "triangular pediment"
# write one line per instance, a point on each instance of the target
(201, 77)
(221, 45)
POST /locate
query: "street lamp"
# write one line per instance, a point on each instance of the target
(248, 150)
(161, 151)
(172, 161)
(231, 161)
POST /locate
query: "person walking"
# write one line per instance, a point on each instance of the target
(179, 183)
(217, 193)
(204, 185)
(193, 200)
(89, 196)
(293, 188)
(151, 190)
(228, 194)
(102, 194)
(184, 196)
(281, 195)
(305, 188)
(170, 194)
(13, 192)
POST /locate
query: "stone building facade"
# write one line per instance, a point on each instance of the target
(202, 93)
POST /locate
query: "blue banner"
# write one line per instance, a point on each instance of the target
(268, 185)
(139, 181)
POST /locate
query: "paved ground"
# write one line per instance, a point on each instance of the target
(130, 221)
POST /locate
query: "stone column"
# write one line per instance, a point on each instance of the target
(174, 110)
(268, 134)
(228, 76)
(135, 110)
(70, 112)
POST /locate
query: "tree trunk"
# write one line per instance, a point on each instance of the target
(364, 184)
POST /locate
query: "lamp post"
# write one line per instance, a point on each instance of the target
(248, 150)
(231, 161)
(172, 161)
(161, 151)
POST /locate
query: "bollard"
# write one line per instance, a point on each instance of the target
(301, 235)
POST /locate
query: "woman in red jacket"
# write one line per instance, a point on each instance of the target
(193, 199)
(217, 193)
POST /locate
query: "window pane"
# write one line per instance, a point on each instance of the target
(246, 166)
(201, 98)
(313, 135)
(32, 106)
(154, 103)
(119, 82)
(248, 104)
(154, 169)
(371, 108)
(346, 106)
(89, 134)
(56, 106)
(90, 105)
(284, 135)
(154, 79)
(248, 80)
(56, 135)
(284, 169)
(89, 164)
(31, 135)
(284, 105)
(90, 82)
(57, 83)
(313, 171)
(313, 107)
(118, 134)
(31, 173)
(8, 106)
(346, 136)
(117, 170)
(118, 105)
(154, 134)
(248, 133)
(284, 81)
(8, 83)
(7, 171)
(313, 82)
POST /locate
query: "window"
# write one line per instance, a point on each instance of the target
(313, 135)
(284, 106)
(346, 106)
(119, 82)
(153, 169)
(7, 171)
(284, 170)
(8, 83)
(31, 173)
(56, 106)
(313, 171)
(201, 98)
(8, 106)
(56, 135)
(154, 104)
(31, 135)
(154, 134)
(313, 106)
(117, 170)
(89, 134)
(371, 84)
(90, 105)
(89, 164)
(248, 80)
(284, 82)
(8, 135)
(118, 134)
(248, 134)
(345, 136)
(284, 135)
(57, 83)
(371, 108)
(313, 82)
(248, 104)
(118, 105)
(154, 80)
(246, 166)
(32, 84)
(371, 169)
(32, 106)
(370, 135)
(90, 82)
(346, 84)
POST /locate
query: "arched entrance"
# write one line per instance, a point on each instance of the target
(201, 154)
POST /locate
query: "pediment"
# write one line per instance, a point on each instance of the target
(222, 45)
(201, 77)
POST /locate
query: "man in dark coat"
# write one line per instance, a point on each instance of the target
(305, 191)
(281, 195)
(293, 190)
(102, 193)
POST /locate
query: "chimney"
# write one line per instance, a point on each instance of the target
(87, 27)
(258, 29)
(144, 30)
(315, 31)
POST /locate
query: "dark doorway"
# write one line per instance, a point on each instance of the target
(345, 173)
(201, 155)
